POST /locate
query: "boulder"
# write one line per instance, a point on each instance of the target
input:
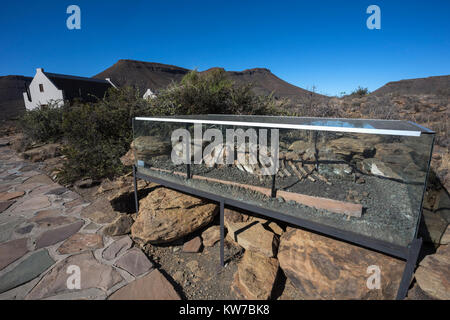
(432, 226)
(275, 228)
(193, 245)
(44, 152)
(324, 268)
(166, 215)
(85, 183)
(120, 226)
(234, 216)
(252, 236)
(432, 275)
(255, 277)
(128, 158)
(210, 236)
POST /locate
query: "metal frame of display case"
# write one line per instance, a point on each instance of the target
(409, 253)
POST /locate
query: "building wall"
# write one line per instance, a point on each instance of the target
(51, 93)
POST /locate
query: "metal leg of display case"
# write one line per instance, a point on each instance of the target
(411, 261)
(136, 202)
(274, 190)
(222, 234)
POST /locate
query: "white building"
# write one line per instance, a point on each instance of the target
(46, 88)
(149, 94)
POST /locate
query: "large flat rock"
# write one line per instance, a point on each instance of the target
(11, 251)
(135, 262)
(93, 275)
(33, 204)
(53, 236)
(153, 286)
(5, 205)
(5, 196)
(116, 248)
(26, 270)
(81, 242)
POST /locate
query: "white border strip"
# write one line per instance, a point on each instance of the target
(288, 126)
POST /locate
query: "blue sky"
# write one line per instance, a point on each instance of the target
(325, 44)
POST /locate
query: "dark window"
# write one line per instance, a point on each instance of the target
(41, 87)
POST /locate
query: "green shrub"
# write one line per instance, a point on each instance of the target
(360, 91)
(43, 124)
(98, 134)
(211, 93)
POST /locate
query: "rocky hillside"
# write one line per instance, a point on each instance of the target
(439, 85)
(11, 98)
(142, 75)
(156, 76)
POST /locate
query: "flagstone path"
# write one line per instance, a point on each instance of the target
(45, 237)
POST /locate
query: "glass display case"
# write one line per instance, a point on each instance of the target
(358, 180)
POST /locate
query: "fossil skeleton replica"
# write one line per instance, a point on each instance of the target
(289, 163)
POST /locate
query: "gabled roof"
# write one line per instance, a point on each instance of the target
(79, 87)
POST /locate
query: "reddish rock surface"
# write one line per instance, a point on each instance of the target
(153, 286)
(166, 215)
(11, 251)
(93, 275)
(134, 262)
(116, 248)
(324, 268)
(81, 242)
(255, 277)
(193, 245)
(53, 236)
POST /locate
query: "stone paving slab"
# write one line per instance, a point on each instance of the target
(93, 275)
(153, 286)
(53, 236)
(5, 205)
(116, 248)
(135, 262)
(11, 251)
(27, 270)
(45, 228)
(6, 196)
(81, 242)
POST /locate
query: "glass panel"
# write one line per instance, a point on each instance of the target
(370, 184)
